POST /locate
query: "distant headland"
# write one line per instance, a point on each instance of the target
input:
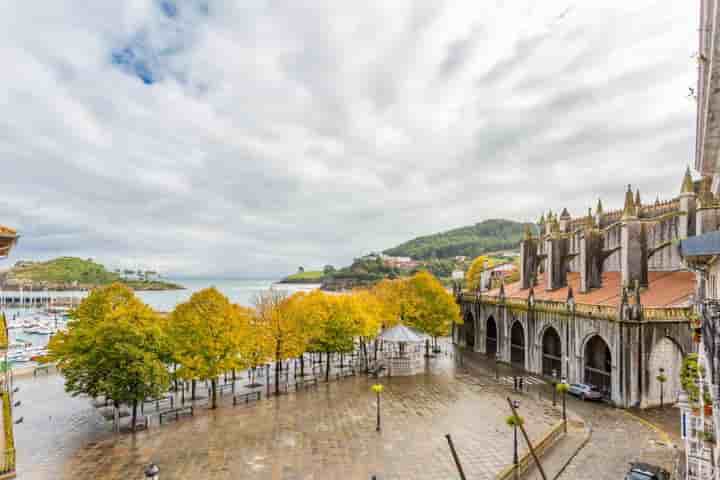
(439, 253)
(72, 273)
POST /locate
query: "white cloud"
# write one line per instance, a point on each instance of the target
(286, 133)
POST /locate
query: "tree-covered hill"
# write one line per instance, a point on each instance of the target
(470, 241)
(72, 272)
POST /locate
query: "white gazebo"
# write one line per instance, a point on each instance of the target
(405, 355)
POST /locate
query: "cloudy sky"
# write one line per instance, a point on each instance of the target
(244, 138)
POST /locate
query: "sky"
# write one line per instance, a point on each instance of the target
(243, 139)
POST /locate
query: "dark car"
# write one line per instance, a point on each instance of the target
(644, 471)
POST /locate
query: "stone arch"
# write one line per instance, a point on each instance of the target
(491, 336)
(665, 354)
(597, 363)
(517, 344)
(469, 329)
(551, 343)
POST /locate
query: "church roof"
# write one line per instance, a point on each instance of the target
(701, 245)
(665, 289)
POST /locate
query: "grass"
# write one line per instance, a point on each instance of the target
(307, 275)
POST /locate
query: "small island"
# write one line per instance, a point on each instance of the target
(72, 273)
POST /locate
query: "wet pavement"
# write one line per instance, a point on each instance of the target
(322, 433)
(617, 438)
(329, 432)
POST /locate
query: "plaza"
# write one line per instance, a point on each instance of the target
(328, 432)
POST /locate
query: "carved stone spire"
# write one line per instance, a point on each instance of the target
(565, 214)
(687, 184)
(542, 219)
(599, 208)
(528, 233)
(629, 210)
(637, 198)
(590, 220)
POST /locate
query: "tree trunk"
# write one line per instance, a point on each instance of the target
(278, 369)
(302, 365)
(134, 414)
(363, 347)
(192, 387)
(213, 387)
(116, 416)
(327, 366)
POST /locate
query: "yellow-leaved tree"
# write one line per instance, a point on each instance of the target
(431, 308)
(474, 273)
(335, 327)
(113, 347)
(366, 311)
(207, 336)
(287, 332)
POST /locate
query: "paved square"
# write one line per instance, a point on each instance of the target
(330, 433)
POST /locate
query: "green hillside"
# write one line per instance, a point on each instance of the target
(67, 272)
(470, 241)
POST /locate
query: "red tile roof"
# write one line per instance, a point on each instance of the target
(665, 289)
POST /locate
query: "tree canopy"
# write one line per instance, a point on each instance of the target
(207, 333)
(112, 348)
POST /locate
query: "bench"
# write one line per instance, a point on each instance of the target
(169, 400)
(176, 412)
(222, 388)
(41, 368)
(306, 383)
(247, 397)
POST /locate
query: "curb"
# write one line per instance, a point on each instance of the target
(588, 434)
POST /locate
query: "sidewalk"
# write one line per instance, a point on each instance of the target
(562, 453)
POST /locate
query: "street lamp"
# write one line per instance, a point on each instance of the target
(554, 383)
(152, 472)
(378, 388)
(563, 387)
(514, 421)
(662, 379)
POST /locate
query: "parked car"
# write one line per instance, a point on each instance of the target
(644, 471)
(585, 392)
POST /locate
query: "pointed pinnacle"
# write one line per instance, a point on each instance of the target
(687, 184)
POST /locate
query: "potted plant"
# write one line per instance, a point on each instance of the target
(707, 403)
(695, 321)
(708, 436)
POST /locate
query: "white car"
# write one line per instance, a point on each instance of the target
(585, 392)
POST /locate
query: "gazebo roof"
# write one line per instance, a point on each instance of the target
(401, 333)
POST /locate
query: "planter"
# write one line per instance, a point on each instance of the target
(708, 410)
(696, 338)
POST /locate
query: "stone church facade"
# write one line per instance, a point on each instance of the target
(603, 299)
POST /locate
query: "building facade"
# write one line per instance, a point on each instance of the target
(603, 299)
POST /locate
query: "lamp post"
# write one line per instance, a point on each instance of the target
(378, 388)
(554, 383)
(514, 421)
(152, 472)
(563, 387)
(662, 379)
